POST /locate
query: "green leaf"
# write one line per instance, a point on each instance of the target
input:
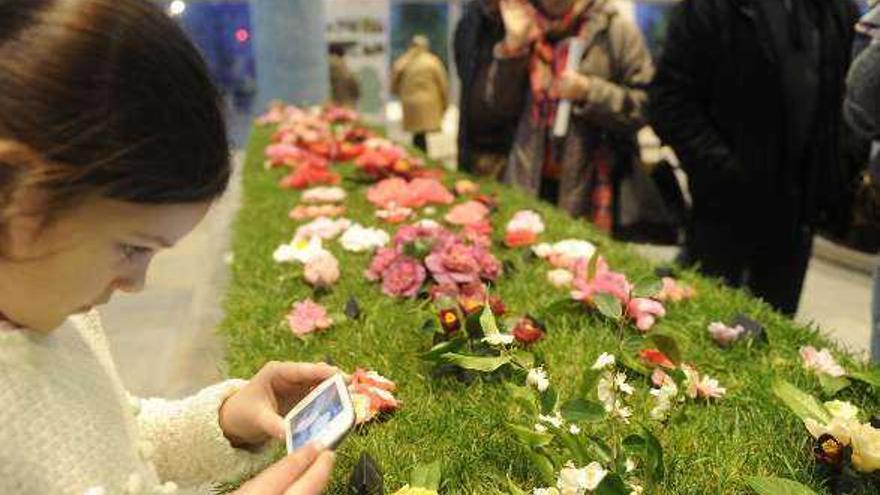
(576, 451)
(487, 322)
(549, 399)
(545, 468)
(667, 345)
(833, 384)
(476, 363)
(530, 437)
(524, 359)
(654, 454)
(647, 288)
(766, 485)
(801, 403)
(522, 396)
(513, 489)
(608, 305)
(589, 382)
(601, 449)
(612, 484)
(427, 476)
(436, 353)
(871, 376)
(629, 349)
(578, 410)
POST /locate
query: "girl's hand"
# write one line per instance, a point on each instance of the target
(256, 412)
(517, 24)
(573, 85)
(305, 472)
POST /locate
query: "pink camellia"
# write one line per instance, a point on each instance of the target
(425, 191)
(308, 316)
(322, 271)
(490, 267)
(725, 335)
(372, 394)
(644, 312)
(454, 265)
(468, 213)
(821, 362)
(304, 212)
(479, 234)
(603, 281)
(413, 194)
(403, 278)
(660, 378)
(675, 292)
(381, 261)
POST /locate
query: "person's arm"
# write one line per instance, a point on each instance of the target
(184, 441)
(442, 81)
(862, 105)
(619, 106)
(676, 109)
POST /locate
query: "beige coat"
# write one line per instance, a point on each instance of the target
(419, 79)
(608, 115)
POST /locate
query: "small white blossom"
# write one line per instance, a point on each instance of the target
(537, 378)
(604, 361)
(555, 420)
(574, 429)
(498, 339)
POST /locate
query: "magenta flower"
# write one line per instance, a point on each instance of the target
(603, 281)
(490, 267)
(454, 265)
(644, 312)
(308, 316)
(381, 261)
(403, 278)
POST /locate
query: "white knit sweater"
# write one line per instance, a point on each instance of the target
(67, 425)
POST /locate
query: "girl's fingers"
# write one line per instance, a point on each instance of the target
(315, 480)
(277, 478)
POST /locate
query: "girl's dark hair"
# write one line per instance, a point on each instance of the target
(106, 97)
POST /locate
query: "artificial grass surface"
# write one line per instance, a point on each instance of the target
(708, 448)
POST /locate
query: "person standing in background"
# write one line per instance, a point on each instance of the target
(419, 78)
(749, 95)
(862, 111)
(484, 138)
(525, 80)
(344, 87)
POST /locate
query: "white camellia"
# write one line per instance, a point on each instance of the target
(300, 251)
(359, 239)
(603, 361)
(595, 474)
(840, 428)
(572, 481)
(866, 448)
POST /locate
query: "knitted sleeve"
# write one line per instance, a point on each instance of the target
(183, 439)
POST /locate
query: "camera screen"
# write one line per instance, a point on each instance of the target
(309, 423)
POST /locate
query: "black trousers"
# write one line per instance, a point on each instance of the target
(771, 267)
(420, 141)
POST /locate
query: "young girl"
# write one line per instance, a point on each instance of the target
(112, 147)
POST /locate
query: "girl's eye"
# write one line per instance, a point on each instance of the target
(134, 253)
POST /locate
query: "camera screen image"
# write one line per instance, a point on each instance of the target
(308, 424)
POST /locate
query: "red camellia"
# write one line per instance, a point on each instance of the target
(527, 331)
(655, 358)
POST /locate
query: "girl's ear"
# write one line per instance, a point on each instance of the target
(23, 205)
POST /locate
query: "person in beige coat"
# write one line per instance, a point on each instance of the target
(419, 79)
(580, 171)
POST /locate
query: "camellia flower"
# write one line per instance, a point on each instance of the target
(322, 227)
(564, 254)
(324, 194)
(394, 213)
(725, 335)
(604, 361)
(304, 212)
(537, 379)
(454, 265)
(469, 213)
(308, 316)
(322, 271)
(560, 278)
(381, 261)
(701, 386)
(672, 291)
(527, 331)
(644, 311)
(300, 251)
(655, 358)
(611, 389)
(866, 449)
(372, 394)
(498, 339)
(604, 281)
(413, 194)
(573, 481)
(403, 278)
(464, 187)
(523, 229)
(820, 362)
(843, 424)
(359, 239)
(310, 174)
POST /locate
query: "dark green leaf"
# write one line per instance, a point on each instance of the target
(427, 476)
(654, 454)
(667, 345)
(831, 384)
(600, 449)
(608, 305)
(612, 484)
(589, 382)
(549, 398)
(578, 410)
(765, 485)
(801, 403)
(545, 468)
(629, 350)
(530, 437)
(436, 353)
(476, 363)
(430, 326)
(647, 288)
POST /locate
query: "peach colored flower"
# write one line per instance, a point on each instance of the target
(308, 316)
(324, 194)
(304, 212)
(560, 278)
(322, 271)
(468, 213)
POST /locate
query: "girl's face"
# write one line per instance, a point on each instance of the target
(82, 258)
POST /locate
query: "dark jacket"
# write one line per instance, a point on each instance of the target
(477, 32)
(718, 99)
